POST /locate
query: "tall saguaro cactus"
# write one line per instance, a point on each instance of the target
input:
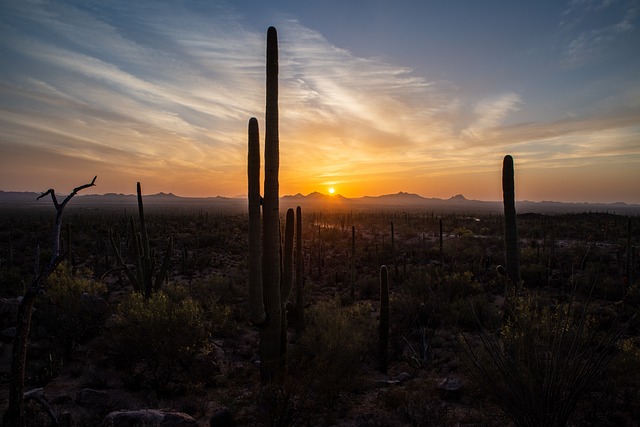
(266, 271)
(510, 227)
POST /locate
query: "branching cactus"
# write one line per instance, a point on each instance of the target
(510, 226)
(383, 341)
(267, 304)
(144, 279)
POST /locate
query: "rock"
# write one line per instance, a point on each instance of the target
(205, 368)
(450, 388)
(62, 399)
(91, 398)
(148, 418)
(404, 376)
(222, 418)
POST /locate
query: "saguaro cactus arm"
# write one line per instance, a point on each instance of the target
(287, 267)
(256, 302)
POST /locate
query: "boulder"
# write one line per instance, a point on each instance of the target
(90, 398)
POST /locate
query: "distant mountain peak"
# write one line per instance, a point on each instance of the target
(458, 197)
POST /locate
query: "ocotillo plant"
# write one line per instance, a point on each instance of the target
(383, 342)
(144, 279)
(510, 225)
(271, 330)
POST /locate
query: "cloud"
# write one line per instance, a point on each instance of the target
(593, 28)
(489, 113)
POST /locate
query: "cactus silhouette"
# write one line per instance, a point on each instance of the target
(299, 274)
(256, 302)
(144, 279)
(510, 225)
(383, 342)
(267, 304)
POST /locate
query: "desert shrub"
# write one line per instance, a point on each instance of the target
(418, 404)
(71, 310)
(325, 362)
(335, 342)
(12, 282)
(442, 298)
(216, 314)
(534, 275)
(369, 287)
(216, 292)
(543, 359)
(157, 340)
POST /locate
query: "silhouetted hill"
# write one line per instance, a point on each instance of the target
(318, 201)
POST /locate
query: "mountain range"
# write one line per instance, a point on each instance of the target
(318, 201)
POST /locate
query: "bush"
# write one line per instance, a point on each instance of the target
(71, 310)
(158, 339)
(542, 361)
(335, 342)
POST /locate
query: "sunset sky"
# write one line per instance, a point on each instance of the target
(376, 97)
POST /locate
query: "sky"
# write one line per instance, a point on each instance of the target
(376, 97)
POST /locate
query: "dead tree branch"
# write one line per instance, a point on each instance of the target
(14, 416)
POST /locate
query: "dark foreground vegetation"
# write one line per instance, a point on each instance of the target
(563, 348)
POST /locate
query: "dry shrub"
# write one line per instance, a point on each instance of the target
(543, 359)
(157, 340)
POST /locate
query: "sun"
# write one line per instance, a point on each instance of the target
(332, 190)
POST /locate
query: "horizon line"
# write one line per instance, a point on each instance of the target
(337, 195)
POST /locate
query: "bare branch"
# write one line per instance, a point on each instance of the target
(75, 190)
(53, 196)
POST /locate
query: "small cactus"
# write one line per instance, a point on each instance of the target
(383, 342)
(299, 274)
(510, 225)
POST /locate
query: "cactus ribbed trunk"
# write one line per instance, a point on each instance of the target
(383, 342)
(352, 275)
(256, 301)
(286, 278)
(270, 334)
(299, 274)
(510, 226)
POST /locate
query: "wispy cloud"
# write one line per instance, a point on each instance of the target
(490, 113)
(593, 27)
